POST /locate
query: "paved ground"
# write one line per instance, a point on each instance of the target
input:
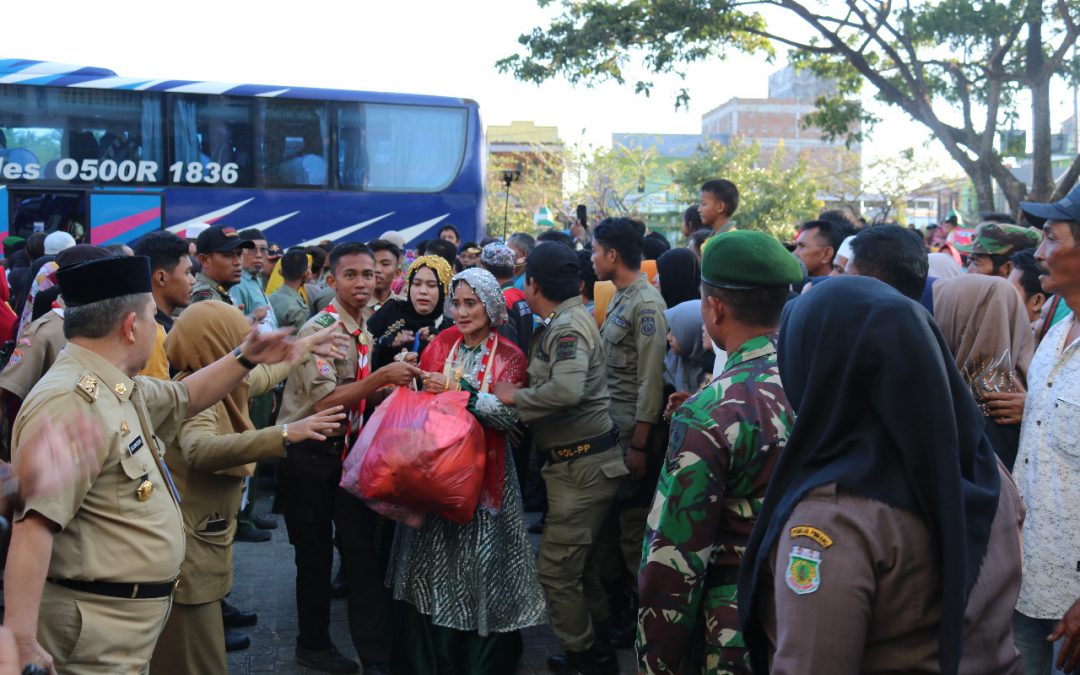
(264, 583)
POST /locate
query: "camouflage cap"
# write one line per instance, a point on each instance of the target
(748, 259)
(1001, 239)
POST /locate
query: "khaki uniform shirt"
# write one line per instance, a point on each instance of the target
(206, 445)
(206, 288)
(34, 353)
(290, 308)
(317, 377)
(567, 399)
(107, 532)
(635, 341)
(856, 587)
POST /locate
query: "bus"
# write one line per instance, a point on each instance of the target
(109, 158)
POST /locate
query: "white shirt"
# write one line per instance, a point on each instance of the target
(1047, 471)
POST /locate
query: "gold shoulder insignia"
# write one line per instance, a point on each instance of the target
(88, 387)
(820, 538)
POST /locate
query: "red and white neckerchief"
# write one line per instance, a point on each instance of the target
(483, 375)
(363, 369)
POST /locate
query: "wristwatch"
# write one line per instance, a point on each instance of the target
(242, 359)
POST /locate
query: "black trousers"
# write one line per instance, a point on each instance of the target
(313, 506)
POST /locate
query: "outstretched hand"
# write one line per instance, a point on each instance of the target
(329, 342)
(277, 346)
(316, 426)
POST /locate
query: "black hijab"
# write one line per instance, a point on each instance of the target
(400, 315)
(881, 410)
(680, 276)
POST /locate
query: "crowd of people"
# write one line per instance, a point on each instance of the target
(854, 452)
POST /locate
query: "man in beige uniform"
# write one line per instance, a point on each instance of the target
(635, 341)
(109, 547)
(40, 343)
(566, 404)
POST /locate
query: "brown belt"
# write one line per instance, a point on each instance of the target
(590, 446)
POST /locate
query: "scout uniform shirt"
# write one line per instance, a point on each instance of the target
(290, 308)
(635, 341)
(206, 288)
(318, 376)
(123, 526)
(567, 398)
(724, 443)
(35, 351)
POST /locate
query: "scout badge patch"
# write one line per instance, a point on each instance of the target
(804, 570)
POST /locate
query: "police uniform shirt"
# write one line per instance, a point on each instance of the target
(35, 351)
(124, 525)
(567, 398)
(635, 341)
(317, 377)
(206, 288)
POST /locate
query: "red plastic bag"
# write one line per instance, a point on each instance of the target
(420, 453)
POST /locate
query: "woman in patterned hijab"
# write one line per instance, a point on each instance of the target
(463, 592)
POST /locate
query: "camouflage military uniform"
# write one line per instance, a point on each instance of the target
(206, 288)
(723, 446)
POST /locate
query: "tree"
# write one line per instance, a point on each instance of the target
(609, 181)
(772, 198)
(956, 66)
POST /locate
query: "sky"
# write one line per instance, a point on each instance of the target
(413, 46)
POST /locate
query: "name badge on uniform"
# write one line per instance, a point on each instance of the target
(134, 446)
(804, 570)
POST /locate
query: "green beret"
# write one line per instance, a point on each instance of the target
(12, 240)
(747, 259)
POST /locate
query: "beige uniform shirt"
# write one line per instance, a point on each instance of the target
(34, 354)
(875, 607)
(317, 377)
(567, 398)
(206, 288)
(635, 341)
(107, 532)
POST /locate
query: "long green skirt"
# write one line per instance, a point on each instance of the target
(422, 648)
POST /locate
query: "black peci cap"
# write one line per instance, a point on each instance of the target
(88, 281)
(552, 260)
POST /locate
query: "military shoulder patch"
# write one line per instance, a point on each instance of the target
(823, 540)
(200, 296)
(565, 347)
(804, 570)
(648, 325)
(324, 320)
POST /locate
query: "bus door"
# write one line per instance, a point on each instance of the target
(32, 210)
(122, 216)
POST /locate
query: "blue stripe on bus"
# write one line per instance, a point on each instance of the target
(169, 84)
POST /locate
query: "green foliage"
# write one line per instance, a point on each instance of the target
(956, 66)
(594, 40)
(772, 198)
